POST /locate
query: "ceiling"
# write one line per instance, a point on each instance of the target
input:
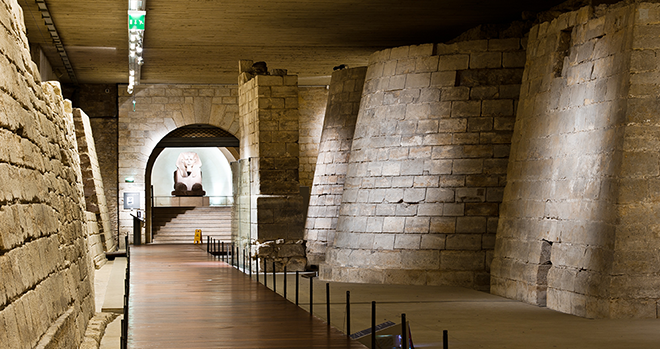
(201, 41)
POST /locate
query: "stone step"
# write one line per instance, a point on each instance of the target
(177, 225)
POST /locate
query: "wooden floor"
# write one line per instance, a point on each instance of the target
(181, 297)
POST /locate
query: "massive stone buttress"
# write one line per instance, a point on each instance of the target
(428, 164)
(332, 162)
(578, 228)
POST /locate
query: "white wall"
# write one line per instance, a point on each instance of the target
(216, 173)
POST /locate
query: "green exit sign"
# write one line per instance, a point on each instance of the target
(136, 20)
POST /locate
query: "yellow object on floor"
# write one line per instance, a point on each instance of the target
(198, 236)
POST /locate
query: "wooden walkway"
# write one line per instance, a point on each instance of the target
(181, 297)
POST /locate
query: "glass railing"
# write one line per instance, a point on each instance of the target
(193, 201)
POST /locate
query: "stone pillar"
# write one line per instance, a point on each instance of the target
(428, 165)
(268, 111)
(332, 163)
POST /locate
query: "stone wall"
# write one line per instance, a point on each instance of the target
(105, 141)
(102, 239)
(577, 230)
(268, 106)
(158, 110)
(46, 297)
(343, 104)
(428, 165)
(311, 106)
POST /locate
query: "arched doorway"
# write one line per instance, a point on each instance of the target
(202, 138)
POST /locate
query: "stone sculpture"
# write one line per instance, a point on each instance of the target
(188, 175)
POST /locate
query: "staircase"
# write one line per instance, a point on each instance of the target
(176, 225)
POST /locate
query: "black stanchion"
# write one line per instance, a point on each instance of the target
(445, 339)
(285, 282)
(373, 324)
(256, 271)
(404, 332)
(311, 295)
(265, 275)
(232, 254)
(274, 283)
(222, 253)
(208, 241)
(122, 340)
(297, 288)
(348, 313)
(250, 264)
(327, 302)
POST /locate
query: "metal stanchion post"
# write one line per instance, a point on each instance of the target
(274, 282)
(265, 275)
(348, 313)
(373, 324)
(256, 270)
(297, 287)
(404, 332)
(327, 302)
(311, 295)
(285, 282)
(445, 339)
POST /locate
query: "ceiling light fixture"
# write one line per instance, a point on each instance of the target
(136, 16)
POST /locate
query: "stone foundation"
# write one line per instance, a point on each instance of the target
(46, 292)
(428, 165)
(332, 162)
(577, 230)
(268, 107)
(101, 238)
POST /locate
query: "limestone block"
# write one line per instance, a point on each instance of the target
(511, 44)
(398, 53)
(471, 224)
(462, 260)
(404, 66)
(463, 242)
(485, 60)
(466, 108)
(407, 241)
(405, 277)
(467, 166)
(417, 225)
(453, 62)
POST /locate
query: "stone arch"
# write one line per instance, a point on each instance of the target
(152, 112)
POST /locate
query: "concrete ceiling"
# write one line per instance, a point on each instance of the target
(201, 41)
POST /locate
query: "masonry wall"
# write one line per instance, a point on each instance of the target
(269, 118)
(343, 104)
(311, 106)
(105, 140)
(576, 231)
(46, 297)
(102, 238)
(428, 165)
